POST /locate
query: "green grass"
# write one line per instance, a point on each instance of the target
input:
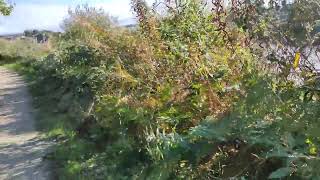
(23, 48)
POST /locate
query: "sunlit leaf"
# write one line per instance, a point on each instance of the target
(296, 60)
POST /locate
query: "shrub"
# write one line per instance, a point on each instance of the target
(179, 97)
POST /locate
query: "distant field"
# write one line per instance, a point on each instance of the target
(26, 47)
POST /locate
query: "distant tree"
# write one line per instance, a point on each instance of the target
(28, 33)
(5, 9)
(35, 32)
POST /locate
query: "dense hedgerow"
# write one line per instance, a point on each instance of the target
(182, 96)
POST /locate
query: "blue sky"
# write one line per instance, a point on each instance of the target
(48, 14)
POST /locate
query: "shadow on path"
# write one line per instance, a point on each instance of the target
(21, 149)
(24, 161)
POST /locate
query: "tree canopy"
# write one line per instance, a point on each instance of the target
(5, 9)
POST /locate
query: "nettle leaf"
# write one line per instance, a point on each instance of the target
(281, 173)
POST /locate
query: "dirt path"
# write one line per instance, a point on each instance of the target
(21, 150)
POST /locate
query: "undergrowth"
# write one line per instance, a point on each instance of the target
(189, 94)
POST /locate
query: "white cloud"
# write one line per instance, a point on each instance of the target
(50, 15)
(31, 16)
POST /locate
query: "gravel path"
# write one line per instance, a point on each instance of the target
(21, 149)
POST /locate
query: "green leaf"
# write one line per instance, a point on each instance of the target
(281, 173)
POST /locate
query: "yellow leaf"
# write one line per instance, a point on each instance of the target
(296, 60)
(120, 72)
(313, 150)
(308, 141)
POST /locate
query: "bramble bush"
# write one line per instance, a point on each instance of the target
(188, 94)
